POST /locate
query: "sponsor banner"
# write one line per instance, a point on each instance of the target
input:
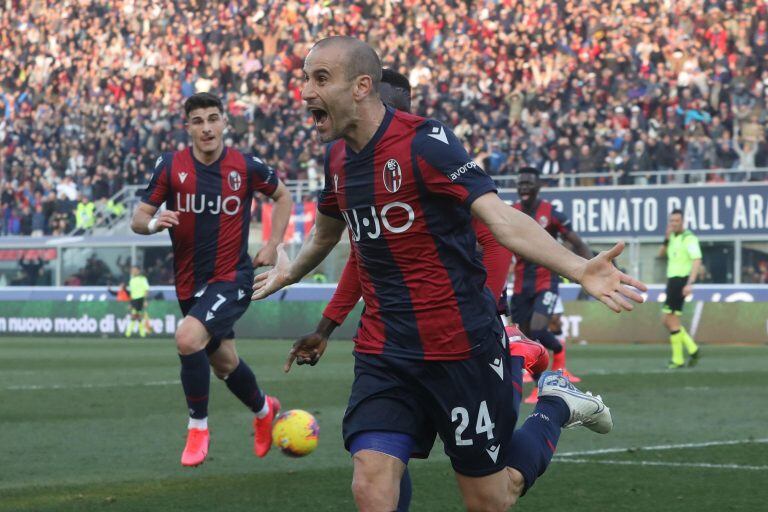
(299, 226)
(720, 323)
(612, 212)
(716, 323)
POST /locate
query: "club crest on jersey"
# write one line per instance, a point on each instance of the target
(234, 180)
(393, 175)
(543, 221)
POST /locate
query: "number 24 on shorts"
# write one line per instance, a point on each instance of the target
(483, 425)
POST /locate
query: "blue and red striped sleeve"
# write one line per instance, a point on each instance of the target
(446, 167)
(347, 294)
(263, 178)
(327, 202)
(159, 188)
(561, 222)
(496, 258)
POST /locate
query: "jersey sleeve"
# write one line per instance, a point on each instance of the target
(446, 167)
(327, 202)
(263, 178)
(159, 188)
(561, 221)
(693, 247)
(347, 294)
(496, 258)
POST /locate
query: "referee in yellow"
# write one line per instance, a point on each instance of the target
(138, 287)
(681, 247)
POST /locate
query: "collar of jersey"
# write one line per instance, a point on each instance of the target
(212, 164)
(388, 115)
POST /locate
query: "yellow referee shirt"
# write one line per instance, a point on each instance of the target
(681, 251)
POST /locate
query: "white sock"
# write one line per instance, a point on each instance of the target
(198, 424)
(264, 410)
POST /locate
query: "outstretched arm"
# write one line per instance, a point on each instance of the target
(324, 236)
(523, 236)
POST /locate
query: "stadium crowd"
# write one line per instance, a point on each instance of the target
(91, 91)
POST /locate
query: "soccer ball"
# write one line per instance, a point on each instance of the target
(295, 432)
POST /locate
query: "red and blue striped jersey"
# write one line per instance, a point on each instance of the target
(405, 198)
(210, 244)
(531, 278)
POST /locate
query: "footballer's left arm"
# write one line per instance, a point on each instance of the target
(281, 215)
(524, 236)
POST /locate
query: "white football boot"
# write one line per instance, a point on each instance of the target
(586, 409)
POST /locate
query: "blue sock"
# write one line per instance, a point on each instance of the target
(196, 381)
(242, 383)
(549, 340)
(406, 490)
(533, 444)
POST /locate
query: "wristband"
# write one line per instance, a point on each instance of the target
(152, 226)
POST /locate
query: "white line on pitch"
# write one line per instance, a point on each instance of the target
(662, 447)
(664, 464)
(696, 318)
(686, 371)
(36, 387)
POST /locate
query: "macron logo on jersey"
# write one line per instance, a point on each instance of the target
(493, 452)
(497, 367)
(183, 176)
(438, 133)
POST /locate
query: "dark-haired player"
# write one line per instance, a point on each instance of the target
(431, 356)
(207, 190)
(536, 290)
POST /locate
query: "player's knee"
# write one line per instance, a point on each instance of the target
(188, 340)
(372, 494)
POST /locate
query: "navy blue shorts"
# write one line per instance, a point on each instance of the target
(472, 404)
(218, 306)
(525, 305)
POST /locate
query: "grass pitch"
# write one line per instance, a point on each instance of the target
(98, 425)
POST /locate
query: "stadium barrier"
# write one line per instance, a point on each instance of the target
(710, 322)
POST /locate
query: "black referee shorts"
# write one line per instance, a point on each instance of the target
(137, 305)
(675, 297)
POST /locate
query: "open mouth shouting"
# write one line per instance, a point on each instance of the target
(320, 116)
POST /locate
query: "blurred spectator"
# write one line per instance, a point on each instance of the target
(91, 91)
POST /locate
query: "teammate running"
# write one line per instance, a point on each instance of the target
(536, 290)
(208, 190)
(431, 355)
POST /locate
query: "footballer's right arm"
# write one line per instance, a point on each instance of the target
(323, 238)
(144, 221)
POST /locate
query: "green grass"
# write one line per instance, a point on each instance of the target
(98, 425)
